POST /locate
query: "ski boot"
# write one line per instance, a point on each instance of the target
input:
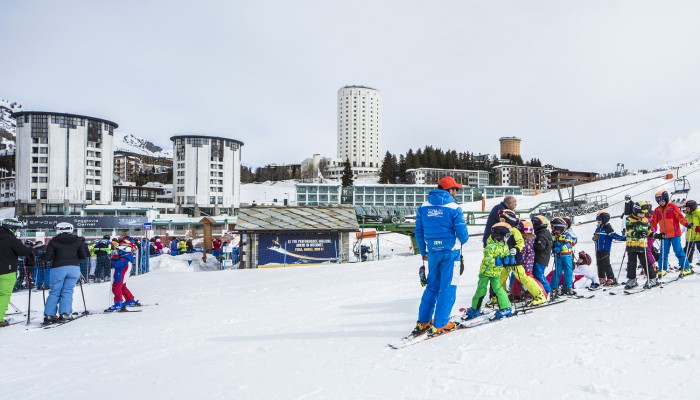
(420, 328)
(631, 283)
(115, 307)
(506, 312)
(541, 299)
(686, 272)
(568, 292)
(66, 317)
(4, 323)
(651, 283)
(433, 331)
(470, 314)
(611, 282)
(594, 285)
(50, 319)
(661, 273)
(555, 293)
(132, 303)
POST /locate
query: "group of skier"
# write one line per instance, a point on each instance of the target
(63, 255)
(523, 249)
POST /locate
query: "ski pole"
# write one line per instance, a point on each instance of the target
(80, 281)
(29, 288)
(15, 308)
(620, 270)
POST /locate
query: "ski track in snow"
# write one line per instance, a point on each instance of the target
(321, 333)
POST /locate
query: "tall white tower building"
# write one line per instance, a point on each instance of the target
(207, 174)
(359, 128)
(63, 162)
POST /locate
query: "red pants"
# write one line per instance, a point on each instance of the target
(121, 292)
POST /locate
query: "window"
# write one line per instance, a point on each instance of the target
(88, 195)
(42, 193)
(33, 194)
(40, 126)
(97, 195)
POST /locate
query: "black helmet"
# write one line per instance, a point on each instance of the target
(29, 243)
(558, 224)
(637, 208)
(500, 232)
(691, 204)
(603, 217)
(105, 237)
(628, 197)
(539, 222)
(509, 216)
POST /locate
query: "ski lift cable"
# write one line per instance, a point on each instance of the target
(649, 190)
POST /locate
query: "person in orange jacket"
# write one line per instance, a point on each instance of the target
(669, 219)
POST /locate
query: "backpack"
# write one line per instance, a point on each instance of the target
(583, 258)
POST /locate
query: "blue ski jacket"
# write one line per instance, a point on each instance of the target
(440, 224)
(120, 263)
(604, 236)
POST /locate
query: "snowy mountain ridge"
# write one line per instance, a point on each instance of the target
(8, 123)
(133, 144)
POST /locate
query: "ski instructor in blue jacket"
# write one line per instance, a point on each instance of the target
(440, 233)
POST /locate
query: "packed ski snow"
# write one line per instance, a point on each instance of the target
(321, 332)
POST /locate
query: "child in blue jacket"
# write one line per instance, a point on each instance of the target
(121, 263)
(603, 238)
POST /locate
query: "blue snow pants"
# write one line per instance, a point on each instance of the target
(63, 280)
(538, 273)
(563, 263)
(440, 292)
(677, 250)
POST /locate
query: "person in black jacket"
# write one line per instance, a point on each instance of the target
(628, 211)
(64, 252)
(543, 250)
(10, 249)
(508, 203)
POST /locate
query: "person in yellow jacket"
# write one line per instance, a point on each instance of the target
(496, 255)
(525, 261)
(692, 234)
(515, 245)
(182, 247)
(93, 261)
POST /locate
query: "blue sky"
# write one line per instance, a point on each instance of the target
(585, 84)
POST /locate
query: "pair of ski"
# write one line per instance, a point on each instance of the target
(484, 318)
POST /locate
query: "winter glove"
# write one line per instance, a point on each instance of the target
(513, 251)
(690, 226)
(499, 262)
(659, 235)
(624, 231)
(642, 234)
(421, 275)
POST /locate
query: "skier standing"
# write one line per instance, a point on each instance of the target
(669, 219)
(525, 262)
(543, 250)
(10, 249)
(121, 263)
(629, 204)
(496, 256)
(603, 238)
(65, 251)
(103, 249)
(692, 235)
(440, 232)
(562, 248)
(638, 230)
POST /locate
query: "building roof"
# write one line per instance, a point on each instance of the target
(172, 138)
(21, 113)
(306, 219)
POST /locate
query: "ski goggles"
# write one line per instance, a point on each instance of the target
(660, 199)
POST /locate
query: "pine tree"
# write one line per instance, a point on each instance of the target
(347, 174)
(386, 173)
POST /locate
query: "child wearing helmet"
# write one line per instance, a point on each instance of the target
(522, 271)
(121, 263)
(627, 212)
(603, 237)
(638, 230)
(543, 250)
(563, 246)
(692, 234)
(669, 219)
(496, 256)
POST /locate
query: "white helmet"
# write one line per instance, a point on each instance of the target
(12, 224)
(125, 248)
(64, 227)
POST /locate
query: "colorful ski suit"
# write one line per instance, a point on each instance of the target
(523, 270)
(121, 263)
(692, 235)
(638, 231)
(492, 264)
(669, 219)
(603, 238)
(562, 249)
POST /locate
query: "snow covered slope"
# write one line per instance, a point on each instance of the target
(321, 333)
